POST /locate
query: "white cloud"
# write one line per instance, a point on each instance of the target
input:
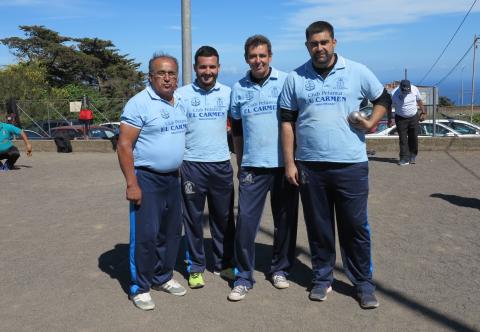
(354, 19)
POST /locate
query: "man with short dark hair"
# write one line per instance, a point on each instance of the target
(254, 109)
(407, 100)
(331, 165)
(206, 170)
(150, 151)
(9, 151)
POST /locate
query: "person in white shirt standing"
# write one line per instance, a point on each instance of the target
(407, 100)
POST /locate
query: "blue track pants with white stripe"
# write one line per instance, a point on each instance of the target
(338, 191)
(155, 229)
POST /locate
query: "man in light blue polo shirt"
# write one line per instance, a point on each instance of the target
(206, 171)
(150, 151)
(331, 165)
(255, 126)
(8, 151)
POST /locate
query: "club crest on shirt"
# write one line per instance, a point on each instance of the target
(341, 84)
(309, 85)
(189, 187)
(195, 101)
(249, 95)
(220, 102)
(165, 114)
(274, 92)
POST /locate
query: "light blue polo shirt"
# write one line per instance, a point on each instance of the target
(6, 135)
(323, 132)
(206, 111)
(257, 107)
(161, 142)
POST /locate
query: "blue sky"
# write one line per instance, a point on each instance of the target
(387, 36)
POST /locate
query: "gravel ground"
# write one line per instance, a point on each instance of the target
(64, 244)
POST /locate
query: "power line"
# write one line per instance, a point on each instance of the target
(454, 67)
(448, 44)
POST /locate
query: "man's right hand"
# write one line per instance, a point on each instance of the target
(134, 194)
(291, 173)
(389, 123)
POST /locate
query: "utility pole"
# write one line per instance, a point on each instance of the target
(461, 93)
(405, 73)
(186, 43)
(475, 39)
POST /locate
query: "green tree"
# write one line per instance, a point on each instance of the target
(445, 101)
(82, 61)
(23, 81)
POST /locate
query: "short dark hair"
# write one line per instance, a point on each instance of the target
(158, 55)
(206, 51)
(319, 26)
(255, 41)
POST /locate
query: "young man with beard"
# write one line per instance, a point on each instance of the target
(331, 165)
(254, 108)
(150, 151)
(206, 170)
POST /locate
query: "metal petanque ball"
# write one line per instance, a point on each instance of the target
(356, 115)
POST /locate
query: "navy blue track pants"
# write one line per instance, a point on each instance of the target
(211, 181)
(155, 230)
(254, 185)
(338, 191)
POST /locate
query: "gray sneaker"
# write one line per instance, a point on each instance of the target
(413, 159)
(143, 301)
(367, 300)
(402, 162)
(172, 287)
(319, 293)
(238, 293)
(279, 281)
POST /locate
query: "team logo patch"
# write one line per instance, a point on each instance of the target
(248, 179)
(303, 177)
(340, 84)
(220, 102)
(165, 114)
(249, 95)
(189, 187)
(195, 101)
(274, 92)
(309, 85)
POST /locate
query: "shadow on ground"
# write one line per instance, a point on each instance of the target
(469, 202)
(384, 160)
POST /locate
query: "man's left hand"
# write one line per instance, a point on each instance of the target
(29, 150)
(363, 124)
(422, 116)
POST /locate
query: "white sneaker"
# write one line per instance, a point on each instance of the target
(143, 301)
(279, 281)
(172, 287)
(238, 293)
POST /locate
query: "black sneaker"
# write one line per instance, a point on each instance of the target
(319, 293)
(367, 300)
(413, 158)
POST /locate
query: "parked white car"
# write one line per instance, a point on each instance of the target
(460, 126)
(441, 129)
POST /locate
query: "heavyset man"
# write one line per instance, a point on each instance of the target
(150, 151)
(256, 138)
(206, 169)
(8, 151)
(331, 165)
(407, 100)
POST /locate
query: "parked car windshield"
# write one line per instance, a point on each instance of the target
(461, 128)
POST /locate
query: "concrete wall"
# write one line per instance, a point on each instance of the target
(377, 144)
(77, 145)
